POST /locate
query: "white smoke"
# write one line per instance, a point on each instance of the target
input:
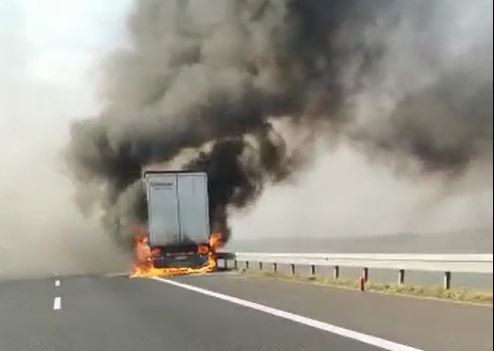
(46, 82)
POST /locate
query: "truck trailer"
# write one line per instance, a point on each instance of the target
(178, 218)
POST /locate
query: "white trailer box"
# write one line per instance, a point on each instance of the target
(177, 208)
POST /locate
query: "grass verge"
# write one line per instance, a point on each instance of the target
(459, 294)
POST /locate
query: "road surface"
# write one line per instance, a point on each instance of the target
(227, 311)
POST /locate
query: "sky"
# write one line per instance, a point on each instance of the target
(50, 74)
(54, 41)
(50, 52)
(49, 69)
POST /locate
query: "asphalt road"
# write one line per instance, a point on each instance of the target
(117, 313)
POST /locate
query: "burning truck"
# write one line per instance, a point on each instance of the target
(178, 239)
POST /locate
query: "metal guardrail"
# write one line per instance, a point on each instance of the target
(446, 263)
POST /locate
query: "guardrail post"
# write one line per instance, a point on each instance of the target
(447, 280)
(275, 267)
(246, 264)
(365, 274)
(401, 277)
(292, 269)
(361, 283)
(260, 265)
(235, 264)
(312, 269)
(336, 272)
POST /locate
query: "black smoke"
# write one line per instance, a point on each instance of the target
(405, 79)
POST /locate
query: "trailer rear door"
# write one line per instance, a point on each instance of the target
(164, 225)
(193, 207)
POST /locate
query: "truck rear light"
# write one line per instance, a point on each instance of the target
(203, 249)
(155, 252)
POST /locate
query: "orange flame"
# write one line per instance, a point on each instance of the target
(143, 264)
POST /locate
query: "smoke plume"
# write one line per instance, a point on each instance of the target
(405, 80)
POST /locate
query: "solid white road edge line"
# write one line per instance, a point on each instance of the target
(57, 283)
(57, 303)
(347, 333)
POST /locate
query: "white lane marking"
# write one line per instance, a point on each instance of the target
(347, 333)
(116, 274)
(57, 303)
(57, 283)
